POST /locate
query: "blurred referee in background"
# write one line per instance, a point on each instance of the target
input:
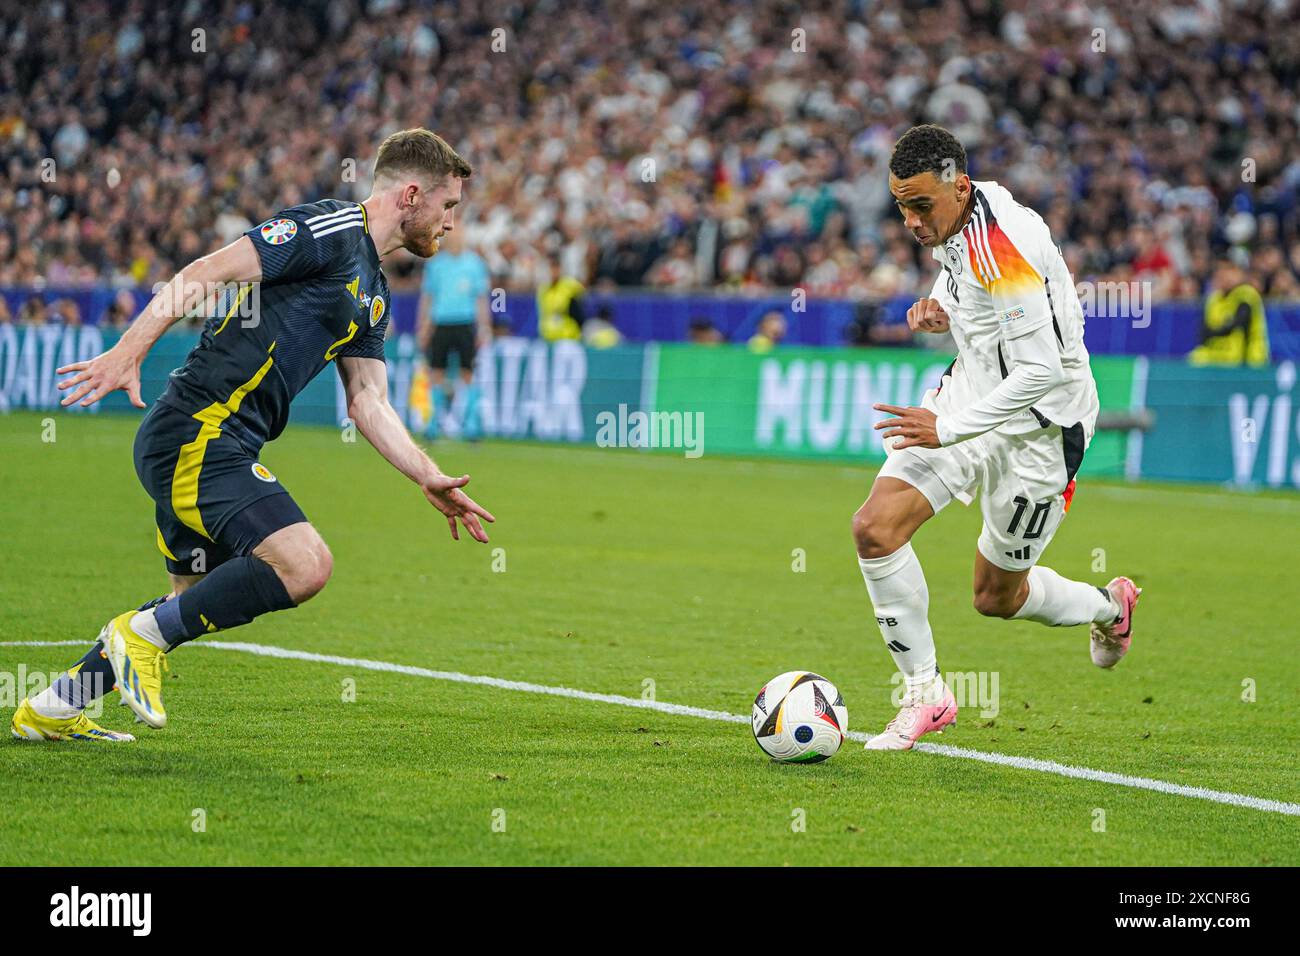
(453, 319)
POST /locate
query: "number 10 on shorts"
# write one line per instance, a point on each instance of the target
(1036, 520)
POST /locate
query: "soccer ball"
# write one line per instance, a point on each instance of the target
(799, 717)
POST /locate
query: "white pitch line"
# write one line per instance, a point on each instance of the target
(682, 710)
(284, 652)
(1121, 779)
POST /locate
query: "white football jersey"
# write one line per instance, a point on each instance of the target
(1002, 278)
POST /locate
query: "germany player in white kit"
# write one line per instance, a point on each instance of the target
(1010, 422)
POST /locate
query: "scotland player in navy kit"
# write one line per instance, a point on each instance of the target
(235, 543)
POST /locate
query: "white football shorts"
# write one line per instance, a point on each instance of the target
(1024, 482)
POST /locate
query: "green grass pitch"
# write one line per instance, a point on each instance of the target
(621, 568)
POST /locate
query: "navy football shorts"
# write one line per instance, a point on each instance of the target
(213, 499)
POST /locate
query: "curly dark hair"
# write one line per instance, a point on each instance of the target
(927, 149)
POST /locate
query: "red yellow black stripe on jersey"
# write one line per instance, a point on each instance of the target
(994, 258)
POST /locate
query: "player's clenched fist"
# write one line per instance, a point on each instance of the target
(927, 315)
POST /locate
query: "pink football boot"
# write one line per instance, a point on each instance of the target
(1111, 641)
(914, 719)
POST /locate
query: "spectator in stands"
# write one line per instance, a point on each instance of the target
(32, 312)
(1234, 331)
(771, 330)
(786, 267)
(599, 331)
(65, 312)
(1151, 262)
(1200, 273)
(1276, 279)
(121, 311)
(517, 266)
(676, 270)
(735, 263)
(560, 304)
(702, 331)
(870, 327)
(626, 256)
(758, 152)
(822, 274)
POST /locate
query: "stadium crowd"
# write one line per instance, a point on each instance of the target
(741, 145)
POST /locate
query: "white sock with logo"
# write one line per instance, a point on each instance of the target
(49, 704)
(899, 594)
(1060, 602)
(146, 625)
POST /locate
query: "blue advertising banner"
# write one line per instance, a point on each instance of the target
(30, 354)
(1230, 425)
(530, 389)
(555, 392)
(1239, 426)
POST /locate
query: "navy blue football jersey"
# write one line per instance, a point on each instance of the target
(322, 296)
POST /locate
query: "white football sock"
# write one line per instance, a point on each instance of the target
(898, 592)
(1059, 601)
(146, 625)
(49, 704)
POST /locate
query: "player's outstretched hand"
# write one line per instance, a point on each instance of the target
(927, 315)
(106, 372)
(915, 425)
(444, 493)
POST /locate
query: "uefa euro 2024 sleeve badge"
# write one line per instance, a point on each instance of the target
(276, 232)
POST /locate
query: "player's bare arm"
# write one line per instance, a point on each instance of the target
(365, 381)
(119, 367)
